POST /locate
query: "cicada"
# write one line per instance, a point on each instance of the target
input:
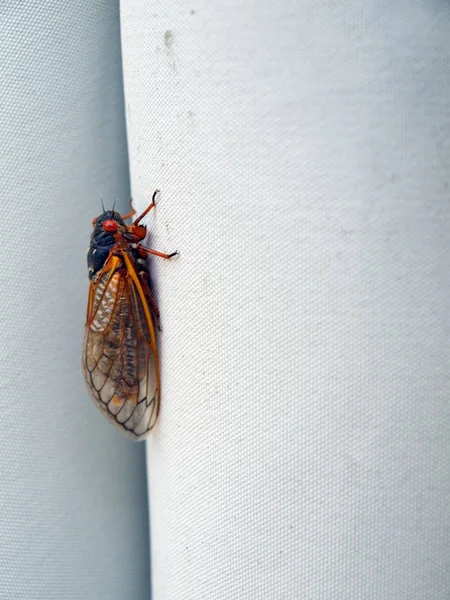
(120, 358)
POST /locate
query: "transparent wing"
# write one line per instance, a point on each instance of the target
(120, 362)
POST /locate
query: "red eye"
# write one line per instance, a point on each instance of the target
(93, 220)
(110, 226)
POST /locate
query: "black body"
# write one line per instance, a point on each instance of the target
(102, 242)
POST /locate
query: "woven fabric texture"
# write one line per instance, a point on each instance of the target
(302, 153)
(73, 510)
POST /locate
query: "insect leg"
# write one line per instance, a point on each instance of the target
(155, 252)
(148, 209)
(131, 213)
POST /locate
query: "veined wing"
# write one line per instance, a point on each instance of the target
(120, 361)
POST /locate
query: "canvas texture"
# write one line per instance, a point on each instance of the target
(73, 508)
(301, 149)
(302, 153)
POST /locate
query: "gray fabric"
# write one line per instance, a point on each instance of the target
(73, 510)
(302, 149)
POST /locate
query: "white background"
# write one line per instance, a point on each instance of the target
(302, 151)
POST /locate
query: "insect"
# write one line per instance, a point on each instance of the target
(120, 358)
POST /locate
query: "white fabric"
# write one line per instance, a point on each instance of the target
(302, 153)
(73, 510)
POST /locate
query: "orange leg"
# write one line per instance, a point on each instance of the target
(148, 209)
(131, 213)
(128, 215)
(155, 252)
